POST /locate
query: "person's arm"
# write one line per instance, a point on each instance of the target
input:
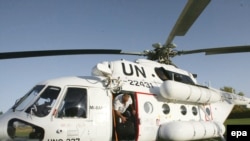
(124, 119)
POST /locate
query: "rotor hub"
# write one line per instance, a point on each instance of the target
(162, 53)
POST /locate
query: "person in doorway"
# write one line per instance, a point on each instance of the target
(121, 103)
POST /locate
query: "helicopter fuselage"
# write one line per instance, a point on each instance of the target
(81, 108)
(169, 104)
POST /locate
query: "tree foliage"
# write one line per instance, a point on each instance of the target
(228, 89)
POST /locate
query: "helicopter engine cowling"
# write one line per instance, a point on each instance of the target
(190, 130)
(174, 90)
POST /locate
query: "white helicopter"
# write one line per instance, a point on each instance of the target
(169, 103)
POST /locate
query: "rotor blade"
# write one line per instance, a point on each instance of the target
(26, 54)
(188, 16)
(221, 50)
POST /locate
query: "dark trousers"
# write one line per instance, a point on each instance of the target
(125, 131)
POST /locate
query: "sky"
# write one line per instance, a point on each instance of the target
(130, 25)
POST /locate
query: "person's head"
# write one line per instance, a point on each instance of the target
(125, 97)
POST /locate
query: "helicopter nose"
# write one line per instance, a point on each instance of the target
(3, 130)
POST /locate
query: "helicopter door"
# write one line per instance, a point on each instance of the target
(71, 117)
(147, 116)
(83, 114)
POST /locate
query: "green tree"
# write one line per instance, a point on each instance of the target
(1, 112)
(228, 89)
(241, 94)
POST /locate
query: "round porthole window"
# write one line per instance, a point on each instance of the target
(148, 107)
(194, 111)
(165, 108)
(208, 111)
(183, 110)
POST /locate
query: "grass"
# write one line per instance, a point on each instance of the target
(23, 131)
(240, 121)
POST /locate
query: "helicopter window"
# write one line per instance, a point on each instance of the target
(148, 107)
(29, 97)
(183, 78)
(22, 131)
(74, 103)
(165, 108)
(183, 110)
(194, 111)
(164, 75)
(45, 102)
(208, 111)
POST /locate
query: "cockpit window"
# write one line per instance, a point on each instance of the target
(164, 75)
(74, 103)
(28, 98)
(20, 130)
(43, 105)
